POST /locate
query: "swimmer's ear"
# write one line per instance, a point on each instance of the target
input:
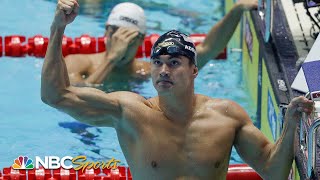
(195, 71)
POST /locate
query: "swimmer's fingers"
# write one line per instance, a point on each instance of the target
(248, 4)
(132, 36)
(126, 34)
(307, 107)
(76, 7)
(120, 34)
(124, 31)
(298, 101)
(302, 104)
(65, 8)
(67, 5)
(255, 5)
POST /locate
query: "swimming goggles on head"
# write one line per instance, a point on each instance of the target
(174, 48)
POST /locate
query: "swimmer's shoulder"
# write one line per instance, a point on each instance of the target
(96, 57)
(225, 107)
(141, 64)
(85, 57)
(203, 99)
(235, 111)
(131, 99)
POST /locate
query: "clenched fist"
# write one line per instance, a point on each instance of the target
(66, 12)
(298, 106)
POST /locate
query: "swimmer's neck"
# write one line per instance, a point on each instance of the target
(178, 107)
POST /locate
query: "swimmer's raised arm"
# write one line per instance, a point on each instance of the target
(87, 105)
(55, 78)
(270, 160)
(219, 35)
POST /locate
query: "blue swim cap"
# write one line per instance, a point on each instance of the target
(174, 43)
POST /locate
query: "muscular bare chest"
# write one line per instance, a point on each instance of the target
(200, 148)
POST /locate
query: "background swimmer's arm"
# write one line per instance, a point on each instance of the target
(82, 72)
(219, 35)
(270, 160)
(102, 71)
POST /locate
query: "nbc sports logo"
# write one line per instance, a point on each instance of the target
(23, 162)
(54, 162)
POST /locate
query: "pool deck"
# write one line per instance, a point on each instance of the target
(300, 25)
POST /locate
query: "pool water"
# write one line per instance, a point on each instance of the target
(29, 127)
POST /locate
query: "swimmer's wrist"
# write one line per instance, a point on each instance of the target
(112, 58)
(291, 124)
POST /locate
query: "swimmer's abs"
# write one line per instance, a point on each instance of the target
(179, 173)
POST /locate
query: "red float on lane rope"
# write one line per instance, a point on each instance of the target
(199, 38)
(14, 47)
(101, 44)
(1, 52)
(37, 46)
(235, 172)
(13, 174)
(84, 44)
(242, 172)
(66, 42)
(64, 174)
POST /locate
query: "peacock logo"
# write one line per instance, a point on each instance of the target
(23, 162)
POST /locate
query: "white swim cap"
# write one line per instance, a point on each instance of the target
(128, 15)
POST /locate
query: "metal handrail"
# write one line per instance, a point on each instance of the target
(311, 146)
(310, 128)
(302, 134)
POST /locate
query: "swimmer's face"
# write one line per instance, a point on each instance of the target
(132, 48)
(172, 73)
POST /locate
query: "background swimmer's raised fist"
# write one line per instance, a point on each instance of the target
(66, 12)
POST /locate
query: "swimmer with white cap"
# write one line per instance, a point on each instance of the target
(125, 31)
(177, 134)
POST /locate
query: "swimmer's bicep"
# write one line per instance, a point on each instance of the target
(250, 142)
(253, 147)
(92, 106)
